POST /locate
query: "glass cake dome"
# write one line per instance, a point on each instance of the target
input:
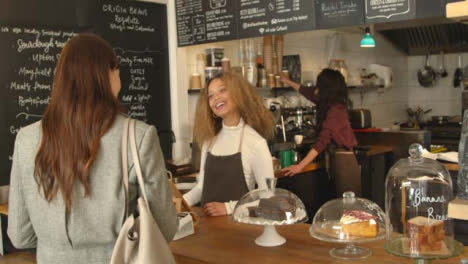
(418, 191)
(270, 207)
(349, 220)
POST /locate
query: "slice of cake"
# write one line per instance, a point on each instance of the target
(425, 234)
(359, 224)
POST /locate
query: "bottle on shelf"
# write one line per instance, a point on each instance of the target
(340, 66)
(247, 60)
(261, 72)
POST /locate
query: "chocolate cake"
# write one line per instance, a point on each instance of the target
(276, 208)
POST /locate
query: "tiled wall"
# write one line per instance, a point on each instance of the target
(442, 98)
(387, 105)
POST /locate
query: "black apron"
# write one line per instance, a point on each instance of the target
(224, 179)
(344, 171)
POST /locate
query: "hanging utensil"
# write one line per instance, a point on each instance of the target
(441, 71)
(458, 76)
(426, 75)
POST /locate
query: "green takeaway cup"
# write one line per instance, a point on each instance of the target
(286, 158)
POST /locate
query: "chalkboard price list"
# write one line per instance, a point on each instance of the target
(127, 18)
(257, 18)
(200, 21)
(389, 10)
(135, 69)
(26, 80)
(338, 13)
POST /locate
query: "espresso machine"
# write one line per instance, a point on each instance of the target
(298, 120)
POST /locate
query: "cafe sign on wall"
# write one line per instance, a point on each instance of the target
(389, 10)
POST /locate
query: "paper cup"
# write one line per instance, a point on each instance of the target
(298, 139)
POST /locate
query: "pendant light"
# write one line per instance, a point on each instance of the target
(367, 41)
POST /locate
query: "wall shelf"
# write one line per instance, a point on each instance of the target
(276, 90)
(194, 91)
(354, 87)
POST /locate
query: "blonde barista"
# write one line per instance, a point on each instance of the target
(231, 124)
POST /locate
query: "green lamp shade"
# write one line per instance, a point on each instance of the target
(367, 41)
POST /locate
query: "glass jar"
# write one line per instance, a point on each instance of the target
(339, 65)
(418, 191)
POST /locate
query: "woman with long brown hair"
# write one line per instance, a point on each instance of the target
(231, 125)
(335, 137)
(66, 194)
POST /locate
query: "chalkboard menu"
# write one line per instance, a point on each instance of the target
(267, 17)
(380, 11)
(49, 13)
(26, 81)
(339, 13)
(203, 21)
(138, 33)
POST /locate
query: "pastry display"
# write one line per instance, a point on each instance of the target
(425, 234)
(359, 224)
(417, 195)
(270, 207)
(349, 221)
(276, 208)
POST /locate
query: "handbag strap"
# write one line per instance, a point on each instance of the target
(129, 134)
(125, 163)
(136, 160)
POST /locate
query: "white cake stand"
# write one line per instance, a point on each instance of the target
(270, 237)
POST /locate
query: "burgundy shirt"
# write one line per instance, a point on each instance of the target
(335, 127)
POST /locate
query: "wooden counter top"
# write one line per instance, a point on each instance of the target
(311, 167)
(450, 166)
(377, 149)
(374, 150)
(221, 240)
(4, 209)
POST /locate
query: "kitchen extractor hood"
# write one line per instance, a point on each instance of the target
(444, 36)
(431, 35)
(431, 31)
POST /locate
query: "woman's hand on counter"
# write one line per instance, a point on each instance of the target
(215, 209)
(295, 169)
(292, 170)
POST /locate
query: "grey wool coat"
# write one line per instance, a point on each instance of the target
(88, 232)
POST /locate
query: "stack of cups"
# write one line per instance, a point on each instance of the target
(268, 53)
(226, 64)
(279, 51)
(195, 81)
(274, 65)
(201, 64)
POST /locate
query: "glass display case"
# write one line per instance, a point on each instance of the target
(418, 191)
(349, 220)
(270, 207)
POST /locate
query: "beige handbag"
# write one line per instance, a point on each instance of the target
(140, 241)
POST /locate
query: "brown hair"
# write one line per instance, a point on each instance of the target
(81, 110)
(249, 104)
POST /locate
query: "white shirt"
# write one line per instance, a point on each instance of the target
(255, 155)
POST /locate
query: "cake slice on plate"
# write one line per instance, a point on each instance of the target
(358, 223)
